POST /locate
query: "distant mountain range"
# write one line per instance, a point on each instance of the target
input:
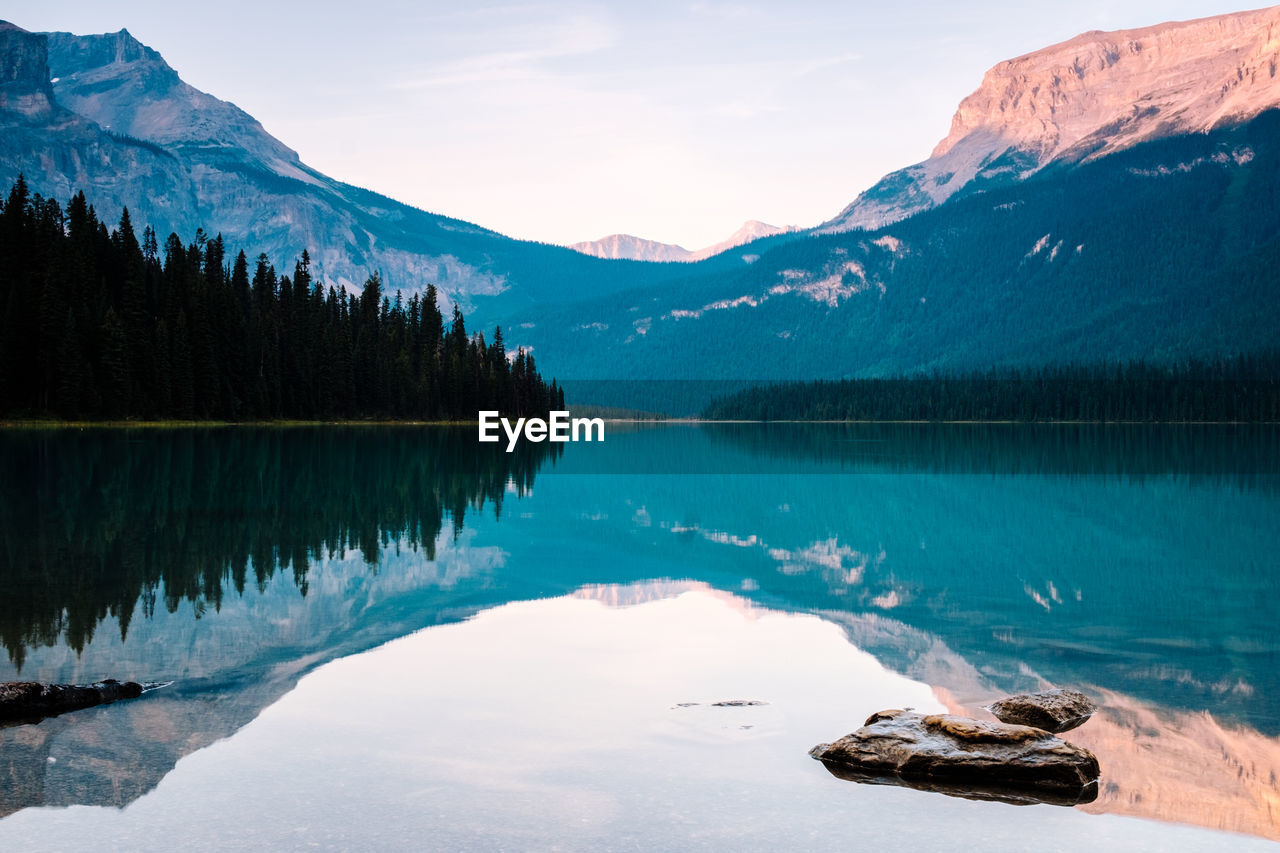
(1109, 197)
(639, 249)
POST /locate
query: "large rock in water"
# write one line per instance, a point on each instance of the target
(964, 757)
(30, 700)
(1057, 710)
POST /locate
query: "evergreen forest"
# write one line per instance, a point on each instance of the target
(99, 324)
(1245, 388)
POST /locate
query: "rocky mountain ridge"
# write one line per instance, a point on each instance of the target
(1093, 95)
(639, 249)
(1022, 266)
(1164, 251)
(24, 80)
(129, 89)
(107, 115)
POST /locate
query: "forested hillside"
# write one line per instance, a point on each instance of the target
(99, 324)
(1242, 389)
(1167, 251)
(107, 114)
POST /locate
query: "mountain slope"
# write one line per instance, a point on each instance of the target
(1114, 207)
(1165, 250)
(63, 151)
(118, 122)
(1092, 95)
(128, 88)
(625, 246)
(617, 246)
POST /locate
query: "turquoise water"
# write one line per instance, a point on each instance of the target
(393, 637)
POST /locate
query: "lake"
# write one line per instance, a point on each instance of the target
(396, 638)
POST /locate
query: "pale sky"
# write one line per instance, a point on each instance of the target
(564, 121)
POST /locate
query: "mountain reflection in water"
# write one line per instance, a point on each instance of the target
(1135, 563)
(562, 721)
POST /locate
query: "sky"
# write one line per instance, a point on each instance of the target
(565, 121)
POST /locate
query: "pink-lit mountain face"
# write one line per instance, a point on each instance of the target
(1093, 95)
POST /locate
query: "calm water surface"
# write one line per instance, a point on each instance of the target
(395, 638)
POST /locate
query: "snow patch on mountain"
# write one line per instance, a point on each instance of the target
(1237, 156)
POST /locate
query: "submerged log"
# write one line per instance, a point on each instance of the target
(30, 700)
(964, 757)
(1056, 710)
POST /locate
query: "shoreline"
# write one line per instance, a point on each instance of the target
(33, 424)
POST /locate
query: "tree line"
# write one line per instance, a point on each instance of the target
(1245, 388)
(97, 324)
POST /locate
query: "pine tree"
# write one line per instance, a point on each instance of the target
(115, 367)
(95, 324)
(70, 370)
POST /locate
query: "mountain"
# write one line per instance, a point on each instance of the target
(24, 84)
(751, 230)
(107, 114)
(1109, 198)
(639, 249)
(1165, 250)
(62, 150)
(636, 248)
(1087, 97)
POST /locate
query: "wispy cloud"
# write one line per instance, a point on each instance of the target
(520, 52)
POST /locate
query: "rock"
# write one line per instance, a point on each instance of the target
(1095, 94)
(964, 757)
(1011, 795)
(737, 703)
(24, 72)
(1057, 710)
(30, 700)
